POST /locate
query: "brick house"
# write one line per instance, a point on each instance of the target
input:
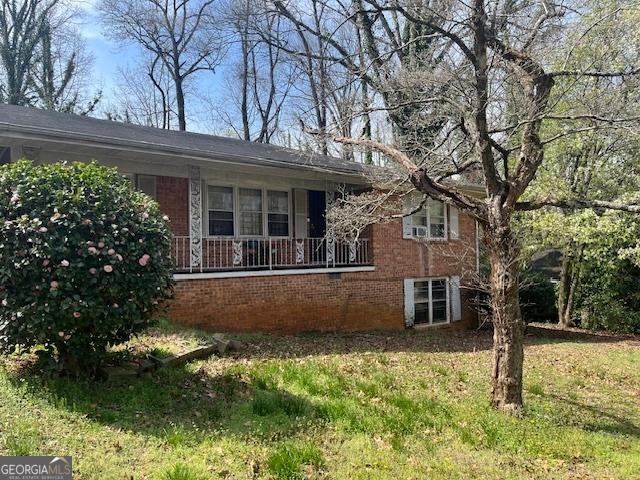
(249, 243)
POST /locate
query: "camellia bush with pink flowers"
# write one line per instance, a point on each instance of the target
(84, 261)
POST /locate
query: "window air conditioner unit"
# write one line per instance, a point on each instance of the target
(420, 231)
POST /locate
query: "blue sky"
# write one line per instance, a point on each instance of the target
(107, 56)
(110, 56)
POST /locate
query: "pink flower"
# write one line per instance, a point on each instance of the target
(14, 198)
(165, 218)
(92, 250)
(76, 314)
(42, 229)
(45, 262)
(119, 257)
(115, 305)
(111, 251)
(64, 263)
(4, 302)
(108, 268)
(92, 271)
(54, 285)
(145, 215)
(144, 260)
(100, 244)
(61, 334)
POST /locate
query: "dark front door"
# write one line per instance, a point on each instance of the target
(317, 207)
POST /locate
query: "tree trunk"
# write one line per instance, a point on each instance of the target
(182, 121)
(508, 326)
(569, 277)
(563, 287)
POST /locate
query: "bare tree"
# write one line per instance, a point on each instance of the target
(492, 69)
(61, 67)
(42, 61)
(144, 95)
(22, 26)
(182, 35)
(262, 77)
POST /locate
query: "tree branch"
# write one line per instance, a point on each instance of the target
(576, 204)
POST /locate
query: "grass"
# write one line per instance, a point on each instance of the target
(393, 405)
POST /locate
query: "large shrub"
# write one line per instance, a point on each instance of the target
(538, 298)
(84, 261)
(608, 297)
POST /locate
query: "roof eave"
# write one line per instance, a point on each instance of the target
(118, 143)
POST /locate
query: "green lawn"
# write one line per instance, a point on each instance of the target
(402, 405)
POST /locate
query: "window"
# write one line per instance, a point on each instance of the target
(5, 155)
(430, 301)
(430, 221)
(278, 213)
(437, 220)
(146, 184)
(250, 211)
(220, 211)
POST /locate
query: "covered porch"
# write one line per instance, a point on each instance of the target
(260, 226)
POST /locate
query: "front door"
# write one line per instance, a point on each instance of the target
(317, 208)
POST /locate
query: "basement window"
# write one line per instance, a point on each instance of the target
(432, 301)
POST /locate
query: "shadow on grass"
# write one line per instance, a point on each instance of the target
(609, 423)
(408, 341)
(552, 334)
(184, 405)
(321, 343)
(177, 405)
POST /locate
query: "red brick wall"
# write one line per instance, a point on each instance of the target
(173, 196)
(325, 302)
(316, 302)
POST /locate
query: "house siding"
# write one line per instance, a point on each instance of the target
(285, 304)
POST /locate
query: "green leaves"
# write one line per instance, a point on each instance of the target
(72, 239)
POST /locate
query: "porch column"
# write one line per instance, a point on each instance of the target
(195, 216)
(331, 241)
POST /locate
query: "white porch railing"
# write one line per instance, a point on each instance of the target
(225, 254)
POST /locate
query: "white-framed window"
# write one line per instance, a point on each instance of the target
(432, 301)
(278, 213)
(250, 211)
(221, 208)
(434, 221)
(431, 221)
(143, 183)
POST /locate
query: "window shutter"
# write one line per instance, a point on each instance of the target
(409, 304)
(301, 206)
(407, 222)
(456, 305)
(454, 229)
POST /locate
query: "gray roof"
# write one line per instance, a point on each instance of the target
(48, 123)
